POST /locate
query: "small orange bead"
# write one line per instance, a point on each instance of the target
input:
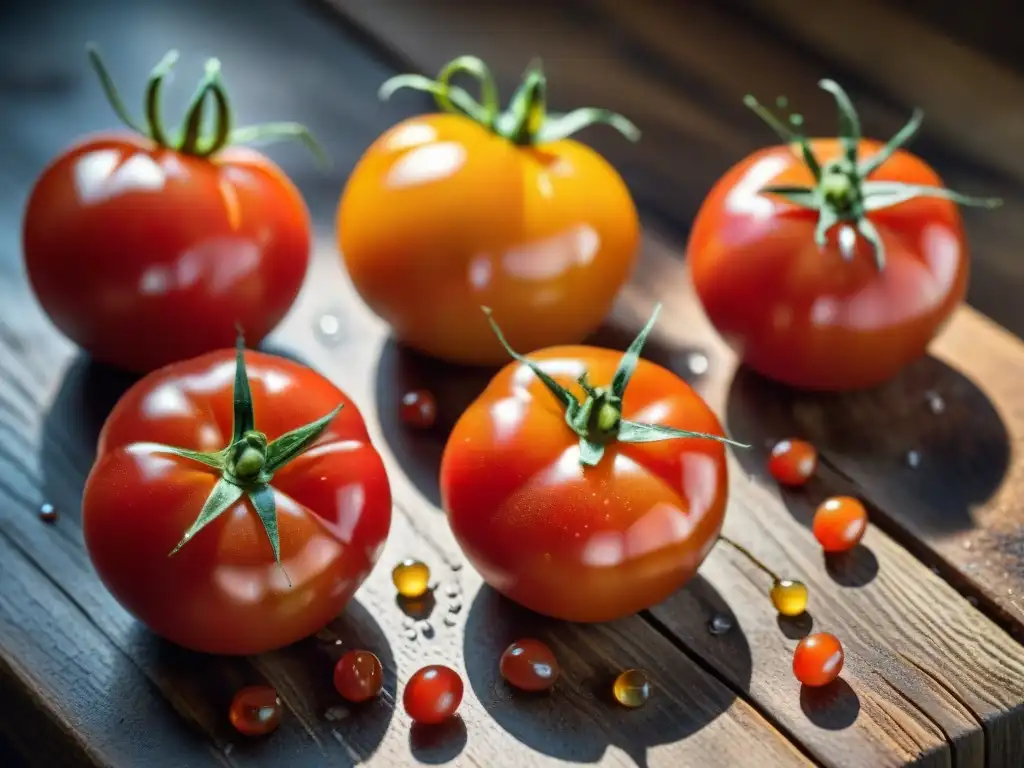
(529, 665)
(256, 710)
(358, 676)
(818, 659)
(419, 409)
(840, 523)
(793, 462)
(433, 694)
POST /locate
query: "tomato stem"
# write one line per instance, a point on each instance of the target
(526, 122)
(192, 138)
(842, 192)
(248, 463)
(598, 419)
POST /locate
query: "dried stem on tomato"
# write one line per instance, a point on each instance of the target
(842, 191)
(193, 138)
(526, 121)
(598, 419)
(249, 462)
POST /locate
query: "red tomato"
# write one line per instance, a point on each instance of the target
(222, 591)
(448, 212)
(433, 694)
(144, 253)
(577, 542)
(853, 311)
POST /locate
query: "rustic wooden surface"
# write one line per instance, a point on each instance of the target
(933, 677)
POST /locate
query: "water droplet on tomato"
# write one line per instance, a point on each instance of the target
(48, 513)
(935, 402)
(719, 624)
(913, 459)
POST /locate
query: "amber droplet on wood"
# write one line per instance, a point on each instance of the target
(632, 688)
(529, 665)
(411, 578)
(256, 710)
(789, 597)
(358, 676)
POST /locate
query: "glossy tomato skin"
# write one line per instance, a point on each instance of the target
(222, 592)
(441, 216)
(806, 317)
(144, 256)
(583, 544)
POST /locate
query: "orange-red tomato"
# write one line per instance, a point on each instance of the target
(839, 523)
(143, 254)
(828, 318)
(256, 710)
(818, 659)
(529, 665)
(583, 543)
(222, 591)
(443, 214)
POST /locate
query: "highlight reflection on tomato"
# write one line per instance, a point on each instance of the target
(448, 212)
(147, 247)
(830, 263)
(271, 536)
(598, 517)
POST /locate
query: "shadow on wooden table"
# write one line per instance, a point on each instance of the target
(928, 443)
(401, 369)
(578, 719)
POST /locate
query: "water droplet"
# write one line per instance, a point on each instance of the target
(719, 624)
(338, 641)
(450, 620)
(456, 566)
(411, 578)
(452, 590)
(973, 600)
(411, 633)
(328, 327)
(408, 622)
(935, 402)
(913, 459)
(697, 363)
(632, 688)
(48, 513)
(454, 606)
(934, 570)
(426, 629)
(334, 714)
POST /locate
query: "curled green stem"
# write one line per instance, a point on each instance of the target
(194, 137)
(526, 121)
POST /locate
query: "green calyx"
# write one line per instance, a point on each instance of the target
(842, 191)
(526, 122)
(598, 419)
(194, 137)
(248, 464)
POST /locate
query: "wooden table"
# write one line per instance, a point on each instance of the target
(928, 607)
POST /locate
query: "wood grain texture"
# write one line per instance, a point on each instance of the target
(930, 680)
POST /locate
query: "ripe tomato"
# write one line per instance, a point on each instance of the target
(143, 251)
(448, 212)
(595, 515)
(830, 263)
(272, 540)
